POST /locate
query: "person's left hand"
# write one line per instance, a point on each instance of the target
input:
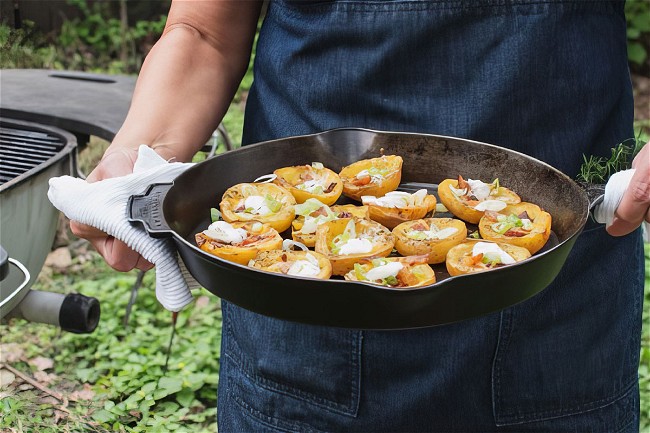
(635, 205)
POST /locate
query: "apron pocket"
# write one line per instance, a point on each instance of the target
(574, 347)
(317, 365)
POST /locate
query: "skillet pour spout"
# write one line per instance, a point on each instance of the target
(181, 209)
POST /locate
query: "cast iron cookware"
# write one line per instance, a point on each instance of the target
(181, 209)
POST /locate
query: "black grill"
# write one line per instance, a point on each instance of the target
(22, 150)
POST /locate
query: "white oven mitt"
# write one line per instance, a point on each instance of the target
(103, 205)
(614, 190)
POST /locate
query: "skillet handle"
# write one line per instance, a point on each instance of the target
(595, 193)
(147, 210)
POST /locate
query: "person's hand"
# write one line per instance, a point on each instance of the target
(117, 254)
(635, 205)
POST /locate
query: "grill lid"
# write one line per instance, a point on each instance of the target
(26, 149)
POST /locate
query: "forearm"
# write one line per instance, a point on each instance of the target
(188, 80)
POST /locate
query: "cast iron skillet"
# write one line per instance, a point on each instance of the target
(181, 209)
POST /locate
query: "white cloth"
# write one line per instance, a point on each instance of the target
(614, 190)
(103, 205)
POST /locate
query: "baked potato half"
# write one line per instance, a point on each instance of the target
(478, 256)
(397, 272)
(469, 199)
(524, 224)
(312, 213)
(395, 207)
(345, 241)
(433, 237)
(375, 176)
(310, 181)
(238, 242)
(264, 202)
(309, 264)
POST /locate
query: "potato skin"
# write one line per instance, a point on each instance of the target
(462, 210)
(411, 262)
(341, 264)
(390, 183)
(280, 220)
(391, 217)
(289, 177)
(435, 249)
(265, 260)
(534, 241)
(309, 239)
(241, 254)
(456, 264)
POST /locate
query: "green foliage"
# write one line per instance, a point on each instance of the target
(124, 365)
(25, 48)
(598, 169)
(98, 40)
(637, 13)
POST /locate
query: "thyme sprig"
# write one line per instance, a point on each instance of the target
(598, 169)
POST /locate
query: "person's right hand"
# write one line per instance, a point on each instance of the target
(118, 255)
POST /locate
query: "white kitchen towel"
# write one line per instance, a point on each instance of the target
(103, 205)
(614, 190)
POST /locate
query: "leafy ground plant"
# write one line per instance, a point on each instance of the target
(113, 379)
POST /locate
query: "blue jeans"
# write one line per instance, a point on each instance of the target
(548, 78)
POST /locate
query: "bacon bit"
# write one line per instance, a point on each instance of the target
(462, 184)
(474, 260)
(344, 214)
(284, 267)
(330, 188)
(523, 215)
(284, 257)
(415, 260)
(406, 278)
(241, 208)
(516, 232)
(306, 175)
(364, 180)
(200, 239)
(492, 215)
(250, 240)
(318, 212)
(420, 226)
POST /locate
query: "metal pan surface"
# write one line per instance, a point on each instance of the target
(182, 209)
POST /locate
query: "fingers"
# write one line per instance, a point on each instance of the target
(635, 205)
(119, 256)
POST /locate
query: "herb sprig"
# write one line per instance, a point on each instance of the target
(598, 169)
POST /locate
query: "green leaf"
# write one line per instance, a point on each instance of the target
(636, 53)
(103, 416)
(185, 397)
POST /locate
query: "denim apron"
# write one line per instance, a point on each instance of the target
(547, 78)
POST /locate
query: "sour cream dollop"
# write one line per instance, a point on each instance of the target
(355, 246)
(390, 269)
(489, 249)
(225, 233)
(257, 205)
(305, 268)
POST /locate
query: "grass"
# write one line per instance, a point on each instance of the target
(118, 369)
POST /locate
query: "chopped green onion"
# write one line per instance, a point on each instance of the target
(358, 271)
(273, 204)
(391, 281)
(317, 165)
